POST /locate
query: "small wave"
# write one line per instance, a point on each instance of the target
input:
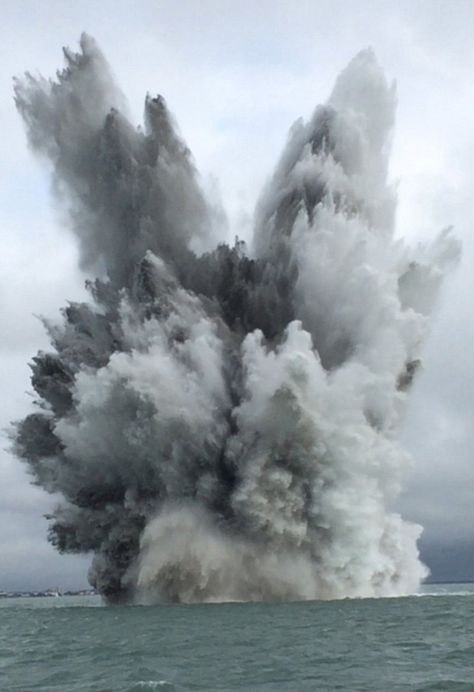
(443, 593)
(446, 685)
(152, 685)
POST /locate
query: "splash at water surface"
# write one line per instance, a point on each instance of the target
(221, 422)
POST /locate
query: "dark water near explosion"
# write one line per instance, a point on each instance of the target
(418, 643)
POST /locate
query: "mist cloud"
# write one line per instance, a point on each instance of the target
(222, 423)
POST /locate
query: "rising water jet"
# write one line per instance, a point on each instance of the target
(221, 422)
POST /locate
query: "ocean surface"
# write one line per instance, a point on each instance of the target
(423, 643)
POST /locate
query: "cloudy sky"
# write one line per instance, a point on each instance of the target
(236, 75)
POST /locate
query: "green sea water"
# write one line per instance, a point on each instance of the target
(71, 644)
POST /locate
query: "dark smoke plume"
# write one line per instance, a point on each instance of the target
(221, 423)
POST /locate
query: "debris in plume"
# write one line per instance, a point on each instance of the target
(221, 422)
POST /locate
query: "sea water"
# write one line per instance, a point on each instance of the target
(67, 644)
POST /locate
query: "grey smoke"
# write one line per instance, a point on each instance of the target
(221, 422)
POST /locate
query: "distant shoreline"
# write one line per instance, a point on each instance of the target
(448, 581)
(48, 593)
(57, 593)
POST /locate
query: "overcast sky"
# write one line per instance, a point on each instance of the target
(236, 75)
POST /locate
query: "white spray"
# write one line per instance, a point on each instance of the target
(223, 425)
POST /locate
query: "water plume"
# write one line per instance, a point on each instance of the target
(221, 422)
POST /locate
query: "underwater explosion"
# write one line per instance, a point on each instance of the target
(221, 422)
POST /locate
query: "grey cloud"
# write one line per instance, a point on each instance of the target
(219, 424)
